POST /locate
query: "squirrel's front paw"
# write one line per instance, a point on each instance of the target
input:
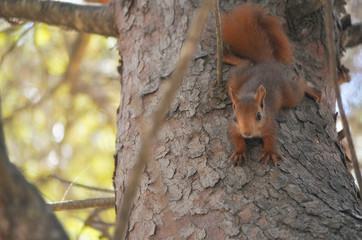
(271, 154)
(237, 157)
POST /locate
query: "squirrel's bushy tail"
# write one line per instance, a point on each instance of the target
(252, 34)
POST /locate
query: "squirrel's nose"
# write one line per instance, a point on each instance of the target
(247, 134)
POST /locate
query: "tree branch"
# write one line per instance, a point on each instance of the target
(84, 18)
(352, 36)
(80, 204)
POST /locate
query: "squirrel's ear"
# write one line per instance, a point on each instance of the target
(260, 96)
(233, 96)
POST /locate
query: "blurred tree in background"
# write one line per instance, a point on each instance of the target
(60, 90)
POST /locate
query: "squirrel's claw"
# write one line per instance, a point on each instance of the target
(268, 155)
(237, 158)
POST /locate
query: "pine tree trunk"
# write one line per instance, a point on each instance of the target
(191, 189)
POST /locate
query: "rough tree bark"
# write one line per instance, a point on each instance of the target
(191, 189)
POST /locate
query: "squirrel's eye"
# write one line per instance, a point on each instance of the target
(234, 118)
(258, 116)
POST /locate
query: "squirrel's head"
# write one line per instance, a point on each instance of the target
(249, 112)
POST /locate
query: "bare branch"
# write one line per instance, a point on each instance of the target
(77, 54)
(219, 42)
(84, 18)
(94, 221)
(352, 36)
(81, 185)
(81, 204)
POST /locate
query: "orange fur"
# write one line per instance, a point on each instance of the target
(254, 35)
(259, 86)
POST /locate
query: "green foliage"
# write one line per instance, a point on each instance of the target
(59, 108)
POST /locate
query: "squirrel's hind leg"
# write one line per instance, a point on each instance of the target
(231, 58)
(294, 92)
(234, 60)
(315, 94)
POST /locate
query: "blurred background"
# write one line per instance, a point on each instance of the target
(60, 91)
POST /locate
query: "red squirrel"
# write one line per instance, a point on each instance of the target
(259, 86)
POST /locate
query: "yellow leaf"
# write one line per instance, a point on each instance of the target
(2, 38)
(42, 35)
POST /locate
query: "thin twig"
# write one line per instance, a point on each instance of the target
(158, 118)
(82, 185)
(14, 44)
(352, 36)
(94, 221)
(71, 185)
(81, 204)
(219, 48)
(334, 76)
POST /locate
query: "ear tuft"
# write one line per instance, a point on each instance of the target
(233, 96)
(260, 96)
